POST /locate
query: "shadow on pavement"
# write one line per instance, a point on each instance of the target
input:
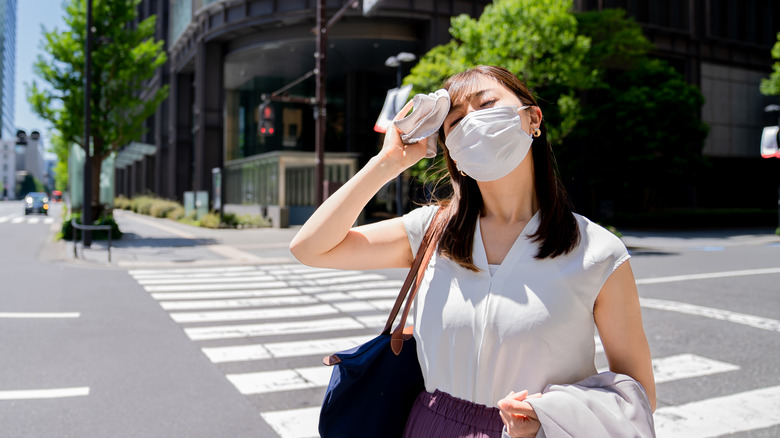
(132, 240)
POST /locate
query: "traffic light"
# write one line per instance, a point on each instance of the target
(265, 124)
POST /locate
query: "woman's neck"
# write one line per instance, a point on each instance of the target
(512, 198)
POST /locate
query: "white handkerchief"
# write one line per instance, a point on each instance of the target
(428, 113)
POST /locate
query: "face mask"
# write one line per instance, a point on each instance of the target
(488, 144)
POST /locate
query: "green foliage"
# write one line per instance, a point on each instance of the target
(66, 231)
(210, 220)
(771, 86)
(161, 207)
(535, 39)
(61, 149)
(124, 56)
(638, 139)
(122, 203)
(164, 208)
(616, 40)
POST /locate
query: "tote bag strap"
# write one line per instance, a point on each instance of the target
(420, 260)
(415, 275)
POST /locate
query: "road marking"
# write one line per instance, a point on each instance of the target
(294, 423)
(720, 416)
(240, 315)
(17, 220)
(707, 276)
(273, 329)
(165, 272)
(281, 380)
(249, 302)
(207, 280)
(709, 312)
(162, 296)
(48, 220)
(12, 315)
(30, 394)
(685, 366)
(33, 220)
(205, 287)
(4, 219)
(309, 347)
(336, 280)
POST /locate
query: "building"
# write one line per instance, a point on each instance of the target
(8, 58)
(7, 169)
(30, 157)
(224, 56)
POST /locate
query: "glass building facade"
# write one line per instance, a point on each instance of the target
(8, 57)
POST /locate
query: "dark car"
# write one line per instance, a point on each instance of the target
(36, 202)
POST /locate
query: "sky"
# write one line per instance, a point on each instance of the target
(30, 16)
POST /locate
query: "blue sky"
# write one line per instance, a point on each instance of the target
(30, 16)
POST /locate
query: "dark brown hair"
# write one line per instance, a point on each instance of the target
(557, 232)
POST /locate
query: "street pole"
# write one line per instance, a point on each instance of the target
(86, 208)
(320, 69)
(319, 108)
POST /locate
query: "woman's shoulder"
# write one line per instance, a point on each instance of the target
(416, 222)
(597, 242)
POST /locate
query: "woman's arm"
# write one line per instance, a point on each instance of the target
(619, 321)
(327, 239)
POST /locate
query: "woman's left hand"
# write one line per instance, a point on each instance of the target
(518, 415)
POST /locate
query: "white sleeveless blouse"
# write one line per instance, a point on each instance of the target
(480, 336)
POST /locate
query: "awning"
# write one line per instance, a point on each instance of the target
(135, 151)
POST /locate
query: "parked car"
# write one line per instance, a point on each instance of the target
(36, 202)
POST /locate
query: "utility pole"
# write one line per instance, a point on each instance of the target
(319, 108)
(320, 69)
(86, 208)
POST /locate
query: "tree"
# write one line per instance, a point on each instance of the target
(535, 39)
(771, 86)
(124, 57)
(61, 149)
(640, 138)
(637, 119)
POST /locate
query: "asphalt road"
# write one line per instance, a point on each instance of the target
(84, 352)
(185, 349)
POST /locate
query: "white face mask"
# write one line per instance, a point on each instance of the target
(488, 144)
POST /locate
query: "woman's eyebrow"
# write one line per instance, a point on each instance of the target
(468, 98)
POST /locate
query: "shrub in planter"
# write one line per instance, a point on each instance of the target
(67, 228)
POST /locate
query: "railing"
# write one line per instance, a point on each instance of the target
(90, 228)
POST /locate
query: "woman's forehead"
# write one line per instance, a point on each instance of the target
(465, 89)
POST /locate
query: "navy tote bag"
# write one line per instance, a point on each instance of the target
(374, 385)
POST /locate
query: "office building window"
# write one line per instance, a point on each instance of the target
(748, 21)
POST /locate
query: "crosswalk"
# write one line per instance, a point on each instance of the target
(24, 219)
(267, 328)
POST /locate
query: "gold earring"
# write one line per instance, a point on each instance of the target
(463, 173)
(537, 132)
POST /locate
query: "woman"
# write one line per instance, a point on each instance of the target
(510, 301)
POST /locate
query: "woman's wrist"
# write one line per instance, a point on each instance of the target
(384, 167)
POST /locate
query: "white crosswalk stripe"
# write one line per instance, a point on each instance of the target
(23, 219)
(259, 317)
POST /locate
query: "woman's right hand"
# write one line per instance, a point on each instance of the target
(397, 154)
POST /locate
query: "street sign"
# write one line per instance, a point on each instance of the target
(769, 147)
(371, 6)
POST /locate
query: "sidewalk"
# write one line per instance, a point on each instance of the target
(149, 242)
(155, 243)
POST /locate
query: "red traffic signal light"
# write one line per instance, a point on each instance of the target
(265, 123)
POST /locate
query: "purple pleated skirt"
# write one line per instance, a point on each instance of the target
(442, 415)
